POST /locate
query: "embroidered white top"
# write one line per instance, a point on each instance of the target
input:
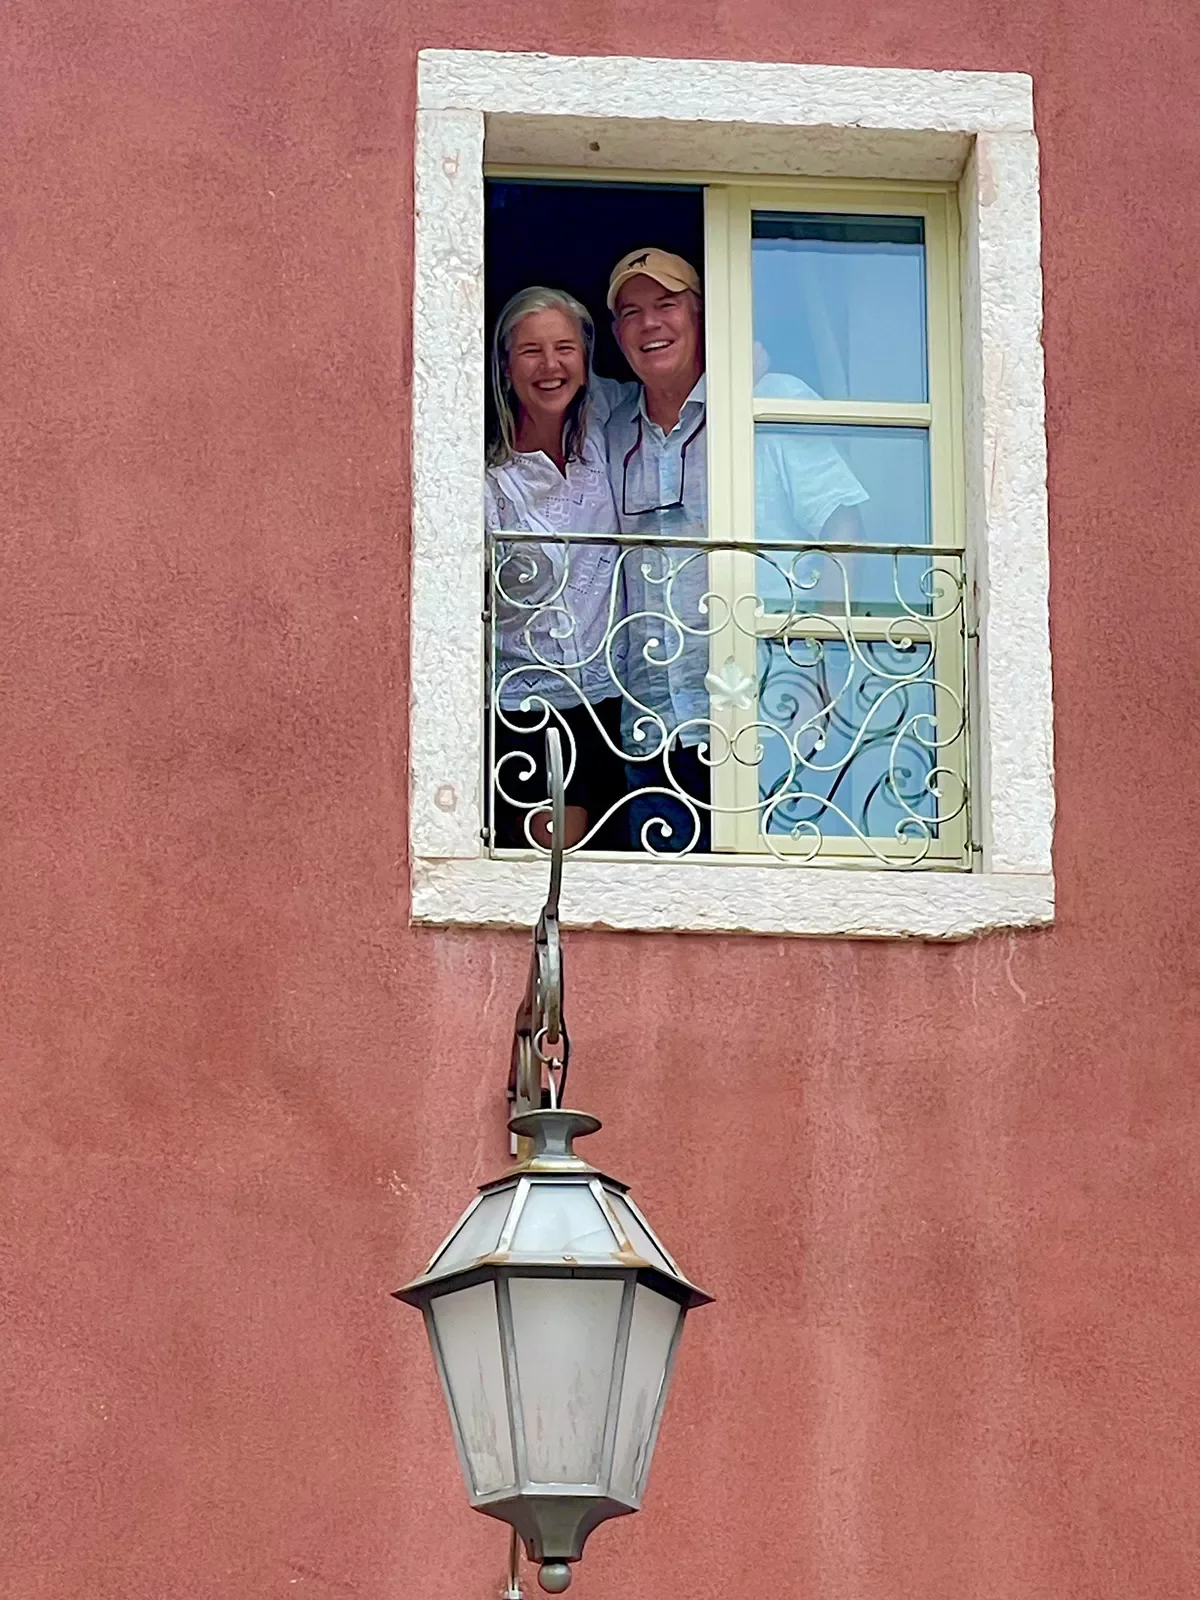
(554, 602)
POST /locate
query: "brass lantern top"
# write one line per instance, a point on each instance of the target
(553, 1212)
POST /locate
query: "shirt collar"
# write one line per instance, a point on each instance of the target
(698, 397)
(527, 469)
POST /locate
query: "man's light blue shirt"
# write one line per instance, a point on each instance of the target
(660, 483)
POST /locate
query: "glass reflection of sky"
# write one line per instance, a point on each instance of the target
(839, 302)
(892, 467)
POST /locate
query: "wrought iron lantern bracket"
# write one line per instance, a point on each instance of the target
(541, 1046)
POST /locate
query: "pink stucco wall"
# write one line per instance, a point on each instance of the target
(948, 1197)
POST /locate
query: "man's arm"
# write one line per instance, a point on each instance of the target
(845, 526)
(812, 497)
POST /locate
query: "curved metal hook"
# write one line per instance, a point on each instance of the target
(558, 818)
(540, 1015)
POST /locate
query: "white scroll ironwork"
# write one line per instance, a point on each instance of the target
(802, 702)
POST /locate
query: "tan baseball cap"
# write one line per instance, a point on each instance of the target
(673, 272)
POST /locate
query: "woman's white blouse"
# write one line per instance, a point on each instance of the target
(554, 603)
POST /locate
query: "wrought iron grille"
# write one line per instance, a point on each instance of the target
(806, 703)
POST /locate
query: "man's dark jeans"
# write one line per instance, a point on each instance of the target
(648, 812)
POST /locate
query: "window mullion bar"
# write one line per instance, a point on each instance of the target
(730, 366)
(871, 627)
(739, 661)
(859, 413)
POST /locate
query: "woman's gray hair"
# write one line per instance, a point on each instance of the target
(523, 304)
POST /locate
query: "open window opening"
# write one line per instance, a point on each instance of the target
(741, 599)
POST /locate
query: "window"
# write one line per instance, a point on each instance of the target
(819, 632)
(851, 681)
(878, 321)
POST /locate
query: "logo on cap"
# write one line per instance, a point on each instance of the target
(673, 272)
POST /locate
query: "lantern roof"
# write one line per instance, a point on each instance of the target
(552, 1212)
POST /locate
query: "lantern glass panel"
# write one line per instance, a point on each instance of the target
(637, 1235)
(651, 1332)
(468, 1335)
(563, 1219)
(565, 1335)
(478, 1235)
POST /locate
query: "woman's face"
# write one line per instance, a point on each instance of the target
(546, 363)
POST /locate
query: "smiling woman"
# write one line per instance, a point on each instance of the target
(548, 474)
(555, 656)
(541, 371)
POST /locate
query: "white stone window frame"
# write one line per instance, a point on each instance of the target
(723, 117)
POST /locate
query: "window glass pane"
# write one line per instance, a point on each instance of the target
(843, 484)
(850, 742)
(468, 1336)
(565, 1333)
(839, 304)
(651, 1332)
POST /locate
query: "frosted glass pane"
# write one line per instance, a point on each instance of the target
(839, 304)
(650, 1335)
(804, 472)
(468, 1334)
(637, 1235)
(478, 1235)
(565, 1334)
(563, 1220)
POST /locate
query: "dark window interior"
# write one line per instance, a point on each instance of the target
(569, 236)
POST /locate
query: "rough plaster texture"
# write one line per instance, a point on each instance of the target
(799, 114)
(948, 1196)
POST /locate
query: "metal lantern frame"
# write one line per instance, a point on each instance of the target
(554, 1517)
(553, 1218)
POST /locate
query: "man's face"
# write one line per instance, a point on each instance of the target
(659, 331)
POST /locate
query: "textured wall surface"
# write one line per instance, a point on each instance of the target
(948, 1196)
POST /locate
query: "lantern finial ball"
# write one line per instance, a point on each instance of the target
(554, 1576)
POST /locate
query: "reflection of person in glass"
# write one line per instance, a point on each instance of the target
(547, 474)
(658, 465)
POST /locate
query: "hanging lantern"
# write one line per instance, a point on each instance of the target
(554, 1313)
(553, 1309)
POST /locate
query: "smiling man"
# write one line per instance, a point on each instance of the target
(655, 301)
(658, 465)
(659, 479)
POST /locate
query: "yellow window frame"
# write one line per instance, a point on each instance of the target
(733, 412)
